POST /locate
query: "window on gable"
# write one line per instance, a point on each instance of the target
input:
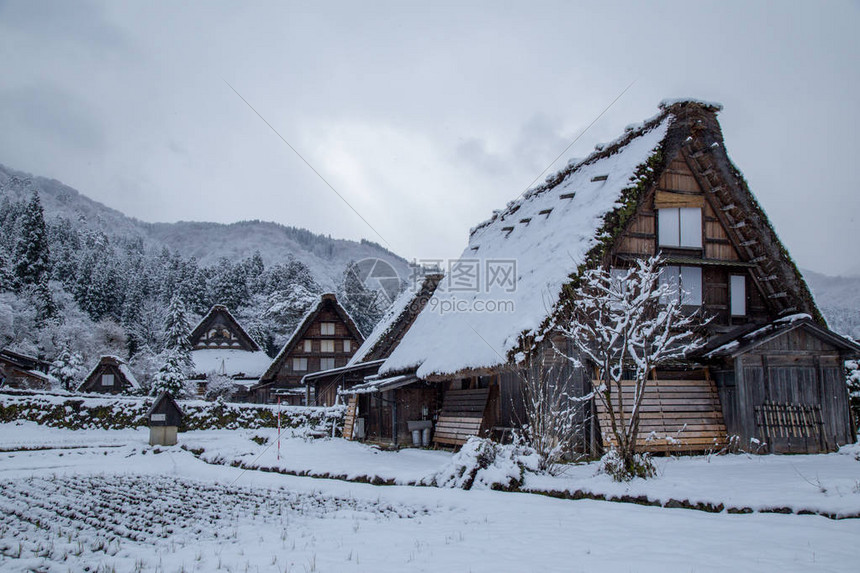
(738, 294)
(347, 345)
(107, 379)
(326, 363)
(326, 345)
(327, 328)
(300, 364)
(685, 284)
(307, 345)
(680, 226)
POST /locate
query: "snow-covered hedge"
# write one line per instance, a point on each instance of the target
(79, 412)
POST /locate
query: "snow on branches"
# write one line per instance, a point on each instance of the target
(626, 323)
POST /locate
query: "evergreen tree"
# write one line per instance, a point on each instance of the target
(67, 367)
(132, 315)
(171, 376)
(229, 284)
(32, 257)
(254, 270)
(43, 300)
(177, 333)
(362, 303)
(7, 277)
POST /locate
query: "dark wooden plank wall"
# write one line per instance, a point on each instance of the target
(795, 368)
(576, 381)
(728, 392)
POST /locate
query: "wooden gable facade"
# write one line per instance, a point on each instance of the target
(110, 376)
(369, 357)
(326, 338)
(220, 330)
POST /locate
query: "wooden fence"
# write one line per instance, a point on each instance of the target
(788, 427)
(676, 416)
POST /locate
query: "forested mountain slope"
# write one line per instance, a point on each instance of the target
(207, 242)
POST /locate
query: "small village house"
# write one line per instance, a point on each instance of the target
(378, 420)
(220, 345)
(771, 376)
(325, 338)
(110, 376)
(25, 372)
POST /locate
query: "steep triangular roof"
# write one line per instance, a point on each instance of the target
(570, 223)
(220, 310)
(162, 397)
(327, 299)
(120, 365)
(389, 331)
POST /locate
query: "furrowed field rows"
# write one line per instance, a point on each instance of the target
(59, 518)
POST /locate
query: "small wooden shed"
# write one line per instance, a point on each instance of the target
(783, 386)
(164, 418)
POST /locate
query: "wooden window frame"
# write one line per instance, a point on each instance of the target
(676, 216)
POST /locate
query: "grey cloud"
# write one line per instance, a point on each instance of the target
(51, 113)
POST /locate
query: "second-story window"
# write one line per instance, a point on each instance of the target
(326, 345)
(680, 227)
(738, 295)
(685, 284)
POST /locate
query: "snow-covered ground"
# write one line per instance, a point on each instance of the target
(125, 506)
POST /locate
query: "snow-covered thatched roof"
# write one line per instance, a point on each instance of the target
(547, 234)
(399, 316)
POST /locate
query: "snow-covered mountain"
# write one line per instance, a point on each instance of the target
(208, 242)
(839, 300)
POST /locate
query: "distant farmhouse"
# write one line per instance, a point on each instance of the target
(357, 382)
(221, 346)
(771, 372)
(325, 338)
(24, 372)
(110, 376)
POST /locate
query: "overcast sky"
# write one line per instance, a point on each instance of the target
(424, 118)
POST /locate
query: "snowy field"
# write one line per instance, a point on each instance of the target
(123, 506)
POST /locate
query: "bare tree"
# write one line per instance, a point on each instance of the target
(553, 413)
(626, 324)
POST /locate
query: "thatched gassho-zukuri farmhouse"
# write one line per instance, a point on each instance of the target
(664, 187)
